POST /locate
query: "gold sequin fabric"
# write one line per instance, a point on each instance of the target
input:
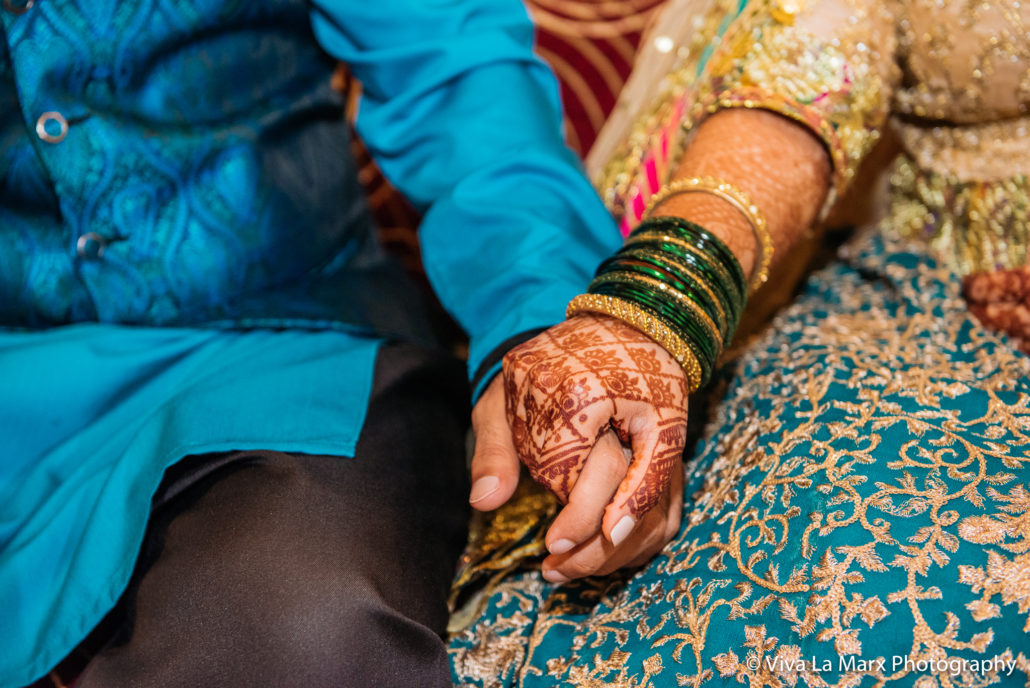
(857, 514)
(643, 159)
(974, 226)
(950, 79)
(827, 66)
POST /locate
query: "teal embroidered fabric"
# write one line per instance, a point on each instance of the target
(857, 512)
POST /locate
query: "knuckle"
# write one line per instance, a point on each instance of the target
(491, 451)
(522, 355)
(580, 521)
(491, 439)
(615, 468)
(578, 570)
(583, 564)
(510, 360)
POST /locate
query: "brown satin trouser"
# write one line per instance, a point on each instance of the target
(265, 569)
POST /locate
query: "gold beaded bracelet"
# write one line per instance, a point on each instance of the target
(739, 200)
(641, 320)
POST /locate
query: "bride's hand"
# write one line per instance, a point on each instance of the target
(564, 390)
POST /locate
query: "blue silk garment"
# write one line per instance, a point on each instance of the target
(188, 266)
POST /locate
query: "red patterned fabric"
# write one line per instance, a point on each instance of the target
(591, 45)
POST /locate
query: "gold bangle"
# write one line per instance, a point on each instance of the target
(641, 320)
(699, 280)
(715, 266)
(715, 329)
(739, 200)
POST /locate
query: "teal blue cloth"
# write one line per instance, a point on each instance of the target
(854, 514)
(93, 414)
(206, 148)
(240, 295)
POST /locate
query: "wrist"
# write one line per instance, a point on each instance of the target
(679, 284)
(720, 218)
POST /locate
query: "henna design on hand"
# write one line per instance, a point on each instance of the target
(1000, 300)
(567, 386)
(668, 454)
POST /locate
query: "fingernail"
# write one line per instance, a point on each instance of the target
(483, 488)
(561, 546)
(622, 529)
(553, 576)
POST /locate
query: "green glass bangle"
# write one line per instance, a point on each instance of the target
(646, 269)
(704, 341)
(696, 233)
(693, 295)
(692, 336)
(708, 249)
(651, 269)
(683, 261)
(689, 230)
(684, 249)
(670, 313)
(688, 264)
(704, 363)
(696, 330)
(694, 285)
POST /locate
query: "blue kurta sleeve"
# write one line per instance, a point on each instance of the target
(465, 120)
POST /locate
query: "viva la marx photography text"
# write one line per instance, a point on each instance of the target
(951, 666)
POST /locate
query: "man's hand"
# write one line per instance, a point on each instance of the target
(495, 465)
(595, 554)
(576, 398)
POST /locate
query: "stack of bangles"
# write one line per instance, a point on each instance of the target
(677, 283)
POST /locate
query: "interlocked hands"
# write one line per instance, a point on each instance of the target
(596, 411)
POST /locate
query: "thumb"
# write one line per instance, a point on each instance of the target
(657, 449)
(495, 465)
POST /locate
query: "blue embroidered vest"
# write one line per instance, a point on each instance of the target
(148, 177)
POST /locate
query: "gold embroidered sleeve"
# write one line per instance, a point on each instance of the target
(828, 64)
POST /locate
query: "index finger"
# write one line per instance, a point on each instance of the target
(581, 518)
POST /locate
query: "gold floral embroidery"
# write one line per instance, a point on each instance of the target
(501, 648)
(761, 666)
(1007, 578)
(801, 523)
